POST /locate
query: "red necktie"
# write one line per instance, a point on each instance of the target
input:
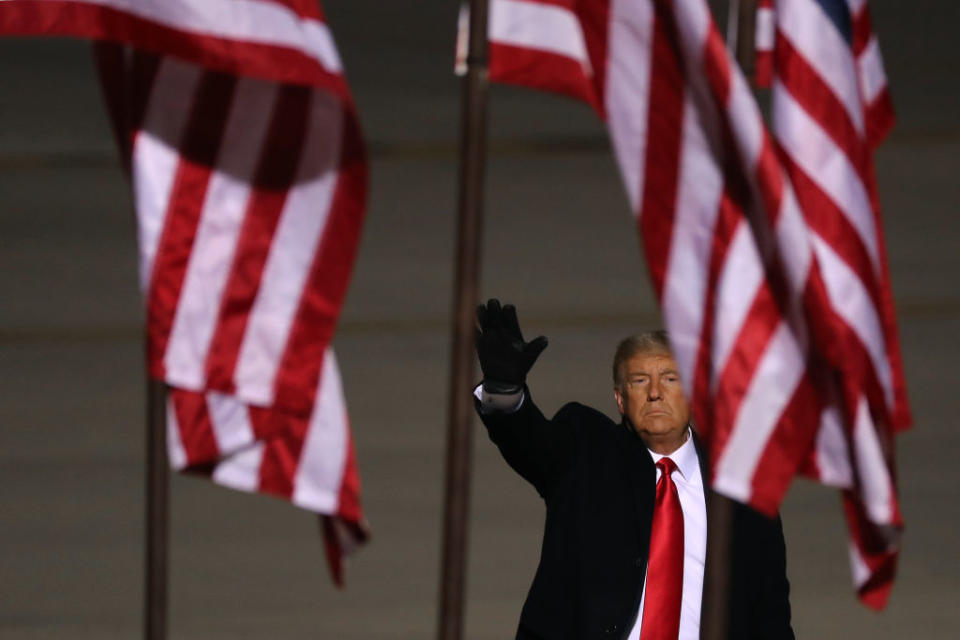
(661, 607)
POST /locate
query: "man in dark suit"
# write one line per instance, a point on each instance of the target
(625, 538)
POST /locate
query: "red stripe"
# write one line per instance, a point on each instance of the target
(594, 18)
(763, 69)
(326, 285)
(275, 173)
(266, 423)
(196, 430)
(716, 65)
(278, 467)
(541, 70)
(239, 57)
(665, 132)
(880, 118)
(281, 455)
(862, 30)
(303, 8)
(198, 151)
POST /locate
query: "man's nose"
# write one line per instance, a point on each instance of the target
(653, 391)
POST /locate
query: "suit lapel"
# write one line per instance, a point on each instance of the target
(703, 459)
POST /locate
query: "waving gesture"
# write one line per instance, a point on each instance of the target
(505, 357)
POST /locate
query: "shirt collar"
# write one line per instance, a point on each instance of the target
(685, 458)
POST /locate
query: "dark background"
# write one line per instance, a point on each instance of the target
(559, 242)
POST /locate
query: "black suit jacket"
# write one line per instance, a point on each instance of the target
(599, 483)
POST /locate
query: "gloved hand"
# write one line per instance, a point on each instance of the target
(504, 356)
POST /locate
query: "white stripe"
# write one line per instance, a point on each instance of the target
(858, 566)
(693, 22)
(213, 249)
(156, 157)
(816, 38)
(255, 21)
(792, 233)
(316, 485)
(740, 278)
(826, 165)
(873, 80)
(850, 299)
(875, 482)
(771, 388)
(699, 192)
(536, 26)
(628, 90)
(745, 119)
(230, 420)
(292, 253)
(176, 455)
(241, 471)
(833, 454)
(765, 30)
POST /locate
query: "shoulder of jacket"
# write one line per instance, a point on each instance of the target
(582, 415)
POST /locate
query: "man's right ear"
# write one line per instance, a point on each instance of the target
(619, 398)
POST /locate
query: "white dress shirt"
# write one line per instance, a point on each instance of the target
(690, 488)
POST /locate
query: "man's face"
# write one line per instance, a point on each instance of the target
(650, 396)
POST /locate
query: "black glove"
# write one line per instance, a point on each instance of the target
(504, 357)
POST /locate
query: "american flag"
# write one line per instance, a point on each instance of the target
(831, 107)
(763, 324)
(249, 180)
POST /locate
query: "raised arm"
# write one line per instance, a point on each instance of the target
(537, 448)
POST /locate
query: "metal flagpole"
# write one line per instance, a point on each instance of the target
(741, 18)
(469, 228)
(155, 587)
(116, 80)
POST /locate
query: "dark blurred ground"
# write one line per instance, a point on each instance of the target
(559, 242)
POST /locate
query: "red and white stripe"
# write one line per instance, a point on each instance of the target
(765, 324)
(250, 194)
(871, 77)
(249, 198)
(868, 78)
(830, 108)
(280, 40)
(309, 461)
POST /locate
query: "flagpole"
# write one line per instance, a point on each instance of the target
(115, 75)
(741, 16)
(473, 118)
(157, 483)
